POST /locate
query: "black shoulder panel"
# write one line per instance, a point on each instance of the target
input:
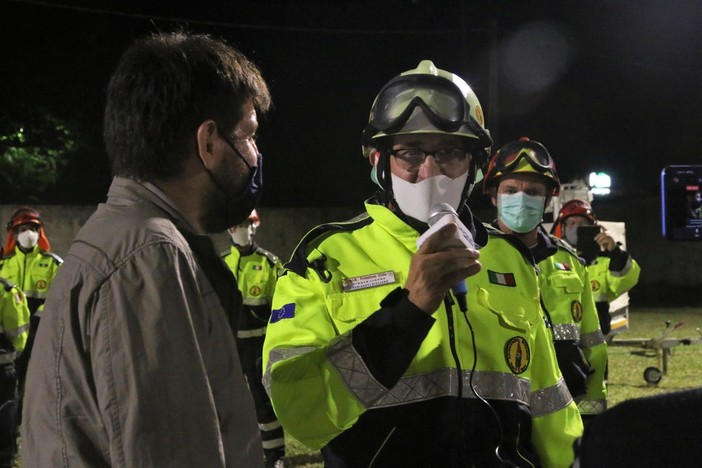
(298, 260)
(58, 260)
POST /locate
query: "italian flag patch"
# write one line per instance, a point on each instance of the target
(504, 279)
(562, 266)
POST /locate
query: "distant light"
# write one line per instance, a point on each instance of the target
(600, 183)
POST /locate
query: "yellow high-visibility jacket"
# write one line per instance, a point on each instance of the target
(568, 301)
(14, 320)
(354, 368)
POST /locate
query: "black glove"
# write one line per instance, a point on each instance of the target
(574, 366)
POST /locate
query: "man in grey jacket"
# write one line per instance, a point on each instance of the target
(135, 362)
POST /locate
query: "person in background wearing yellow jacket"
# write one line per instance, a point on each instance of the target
(612, 272)
(29, 263)
(389, 348)
(256, 272)
(14, 328)
(521, 178)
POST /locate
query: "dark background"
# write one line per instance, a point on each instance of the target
(611, 86)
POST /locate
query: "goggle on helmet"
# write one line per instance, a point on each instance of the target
(523, 155)
(574, 207)
(447, 103)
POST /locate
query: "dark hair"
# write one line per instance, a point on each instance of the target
(164, 87)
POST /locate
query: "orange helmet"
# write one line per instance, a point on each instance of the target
(25, 215)
(574, 207)
(523, 155)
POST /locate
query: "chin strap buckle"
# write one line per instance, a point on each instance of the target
(319, 266)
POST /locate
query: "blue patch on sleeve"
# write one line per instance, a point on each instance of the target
(285, 312)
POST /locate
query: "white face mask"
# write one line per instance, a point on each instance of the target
(28, 239)
(416, 200)
(243, 236)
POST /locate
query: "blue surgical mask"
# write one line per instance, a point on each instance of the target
(520, 212)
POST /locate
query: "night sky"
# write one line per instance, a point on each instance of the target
(612, 86)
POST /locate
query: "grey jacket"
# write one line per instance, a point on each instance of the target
(135, 363)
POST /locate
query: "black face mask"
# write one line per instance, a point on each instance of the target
(240, 207)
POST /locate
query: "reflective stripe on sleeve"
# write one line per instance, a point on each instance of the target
(550, 399)
(36, 294)
(588, 340)
(16, 332)
(429, 385)
(566, 331)
(256, 301)
(354, 372)
(281, 355)
(623, 271)
(251, 333)
(591, 407)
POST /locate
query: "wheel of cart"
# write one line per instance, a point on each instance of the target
(652, 375)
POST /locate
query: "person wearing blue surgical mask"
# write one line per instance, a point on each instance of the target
(521, 178)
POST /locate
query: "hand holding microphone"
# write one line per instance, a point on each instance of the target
(446, 256)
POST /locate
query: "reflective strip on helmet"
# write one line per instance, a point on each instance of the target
(566, 331)
(588, 340)
(592, 407)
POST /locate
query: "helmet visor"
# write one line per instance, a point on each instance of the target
(507, 161)
(442, 102)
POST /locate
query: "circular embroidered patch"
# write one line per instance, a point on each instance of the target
(41, 284)
(576, 310)
(595, 285)
(517, 354)
(255, 291)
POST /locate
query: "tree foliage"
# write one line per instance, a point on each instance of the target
(33, 151)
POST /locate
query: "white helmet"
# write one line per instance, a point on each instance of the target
(427, 100)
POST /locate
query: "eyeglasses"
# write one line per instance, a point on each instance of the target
(448, 159)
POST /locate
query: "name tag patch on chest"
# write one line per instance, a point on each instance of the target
(368, 281)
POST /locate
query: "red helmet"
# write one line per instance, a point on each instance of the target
(523, 155)
(574, 207)
(253, 217)
(24, 215)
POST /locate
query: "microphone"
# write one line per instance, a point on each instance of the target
(439, 216)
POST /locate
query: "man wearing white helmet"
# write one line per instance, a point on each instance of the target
(374, 353)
